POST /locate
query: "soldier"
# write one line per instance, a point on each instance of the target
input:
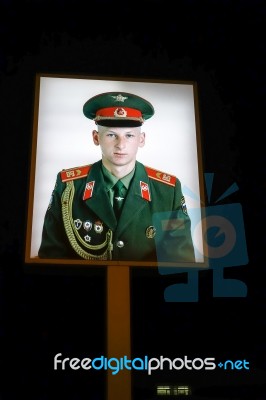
(105, 210)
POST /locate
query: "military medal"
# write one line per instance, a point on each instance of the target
(78, 223)
(98, 227)
(87, 225)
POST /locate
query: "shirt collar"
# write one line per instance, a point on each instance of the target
(110, 180)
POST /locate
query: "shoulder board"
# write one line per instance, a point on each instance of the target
(161, 176)
(74, 173)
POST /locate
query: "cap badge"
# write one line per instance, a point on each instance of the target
(119, 98)
(120, 112)
(150, 232)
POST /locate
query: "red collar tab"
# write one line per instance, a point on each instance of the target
(145, 191)
(74, 173)
(88, 190)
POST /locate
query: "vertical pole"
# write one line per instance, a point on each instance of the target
(118, 330)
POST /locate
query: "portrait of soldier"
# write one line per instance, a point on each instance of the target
(104, 210)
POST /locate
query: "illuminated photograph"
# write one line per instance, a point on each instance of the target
(116, 173)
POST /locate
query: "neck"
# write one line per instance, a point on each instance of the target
(119, 171)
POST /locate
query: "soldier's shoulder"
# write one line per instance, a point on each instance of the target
(161, 176)
(74, 173)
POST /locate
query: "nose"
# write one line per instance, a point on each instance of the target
(120, 142)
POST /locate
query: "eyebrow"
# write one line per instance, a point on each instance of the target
(124, 133)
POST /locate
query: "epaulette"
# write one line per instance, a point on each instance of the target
(75, 173)
(161, 176)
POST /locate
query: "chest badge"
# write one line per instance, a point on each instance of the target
(183, 205)
(78, 223)
(87, 225)
(98, 227)
(150, 232)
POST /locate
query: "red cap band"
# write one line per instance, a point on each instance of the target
(118, 112)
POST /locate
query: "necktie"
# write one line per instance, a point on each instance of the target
(118, 198)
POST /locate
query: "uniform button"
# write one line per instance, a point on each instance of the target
(120, 243)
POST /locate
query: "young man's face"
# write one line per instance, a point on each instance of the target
(119, 146)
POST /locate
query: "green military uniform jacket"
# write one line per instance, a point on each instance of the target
(80, 221)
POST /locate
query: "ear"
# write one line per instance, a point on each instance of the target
(142, 137)
(95, 137)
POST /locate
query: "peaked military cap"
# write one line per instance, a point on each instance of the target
(118, 109)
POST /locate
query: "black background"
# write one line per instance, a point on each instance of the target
(221, 46)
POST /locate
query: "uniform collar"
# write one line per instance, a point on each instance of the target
(111, 180)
